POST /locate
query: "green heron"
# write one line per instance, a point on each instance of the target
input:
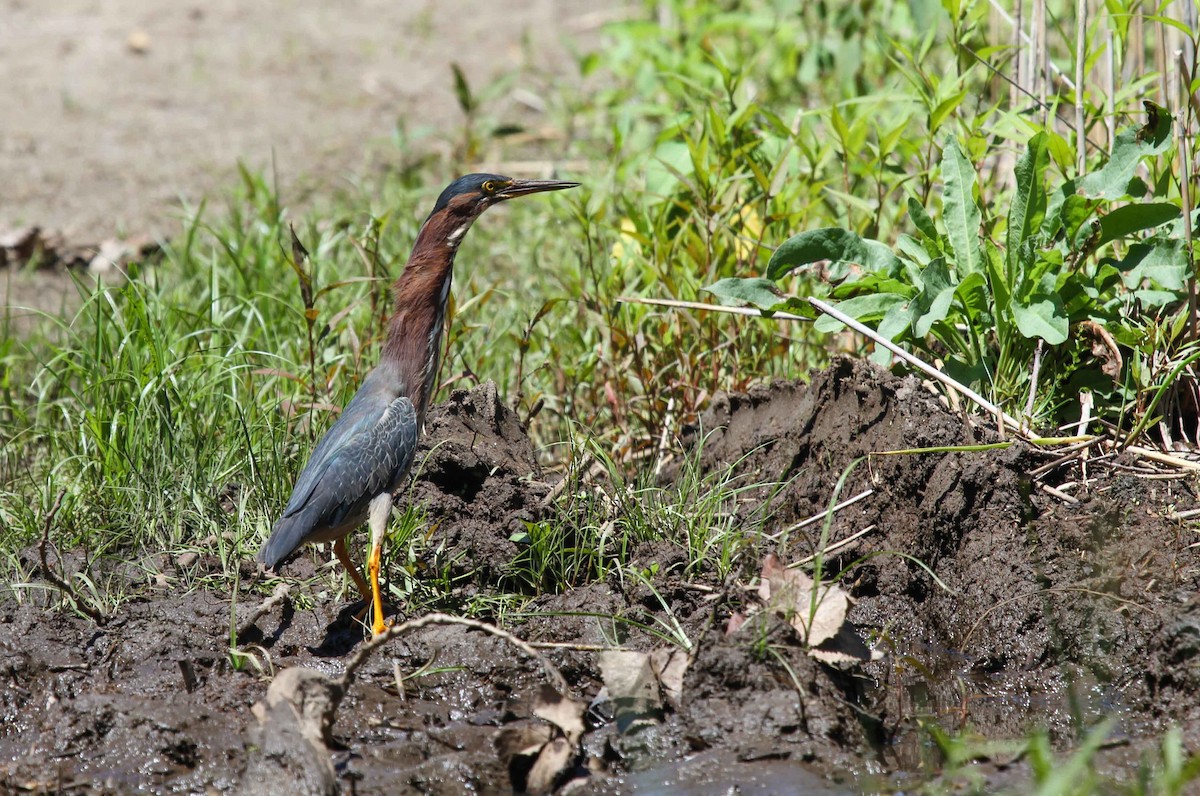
(360, 463)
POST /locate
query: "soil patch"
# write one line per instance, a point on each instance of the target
(1055, 616)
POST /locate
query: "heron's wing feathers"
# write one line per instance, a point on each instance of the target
(356, 460)
(368, 460)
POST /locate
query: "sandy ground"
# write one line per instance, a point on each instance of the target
(116, 110)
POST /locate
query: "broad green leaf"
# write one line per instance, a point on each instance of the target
(1112, 181)
(1155, 298)
(959, 211)
(1000, 291)
(1076, 210)
(944, 109)
(1038, 266)
(1028, 205)
(1163, 261)
(921, 219)
(1053, 220)
(1134, 218)
(1043, 316)
(910, 248)
(829, 243)
(972, 294)
(895, 322)
(762, 293)
(976, 374)
(932, 304)
(862, 308)
(874, 283)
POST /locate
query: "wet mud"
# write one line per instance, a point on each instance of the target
(1046, 615)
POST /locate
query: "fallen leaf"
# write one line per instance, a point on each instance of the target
(521, 740)
(735, 623)
(632, 687)
(1104, 348)
(670, 664)
(790, 593)
(555, 758)
(561, 711)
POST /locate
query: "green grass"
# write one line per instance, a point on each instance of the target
(178, 406)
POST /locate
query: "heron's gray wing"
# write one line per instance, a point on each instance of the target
(356, 461)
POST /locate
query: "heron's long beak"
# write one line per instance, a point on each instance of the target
(523, 187)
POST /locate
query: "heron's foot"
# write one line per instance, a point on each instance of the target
(378, 626)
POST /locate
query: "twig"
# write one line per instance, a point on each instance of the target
(1161, 476)
(1058, 493)
(697, 305)
(1086, 403)
(281, 591)
(929, 370)
(833, 548)
(1080, 58)
(364, 652)
(664, 440)
(822, 515)
(1085, 442)
(596, 469)
(1183, 515)
(1033, 379)
(1072, 453)
(67, 590)
(1185, 194)
(1164, 458)
(570, 645)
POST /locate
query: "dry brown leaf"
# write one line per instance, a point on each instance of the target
(521, 740)
(790, 593)
(561, 711)
(1104, 348)
(670, 665)
(632, 686)
(555, 758)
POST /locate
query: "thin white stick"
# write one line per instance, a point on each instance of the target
(822, 515)
(1080, 56)
(697, 305)
(1063, 496)
(555, 677)
(929, 370)
(1155, 456)
(833, 548)
(1058, 73)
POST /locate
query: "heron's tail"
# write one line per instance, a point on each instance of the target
(287, 535)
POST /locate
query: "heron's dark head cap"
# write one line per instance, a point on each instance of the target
(474, 193)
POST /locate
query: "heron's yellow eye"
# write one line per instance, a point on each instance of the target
(489, 187)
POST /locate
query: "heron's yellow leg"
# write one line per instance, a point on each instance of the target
(343, 555)
(381, 510)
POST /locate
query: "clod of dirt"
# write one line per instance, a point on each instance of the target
(477, 477)
(1054, 615)
(289, 746)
